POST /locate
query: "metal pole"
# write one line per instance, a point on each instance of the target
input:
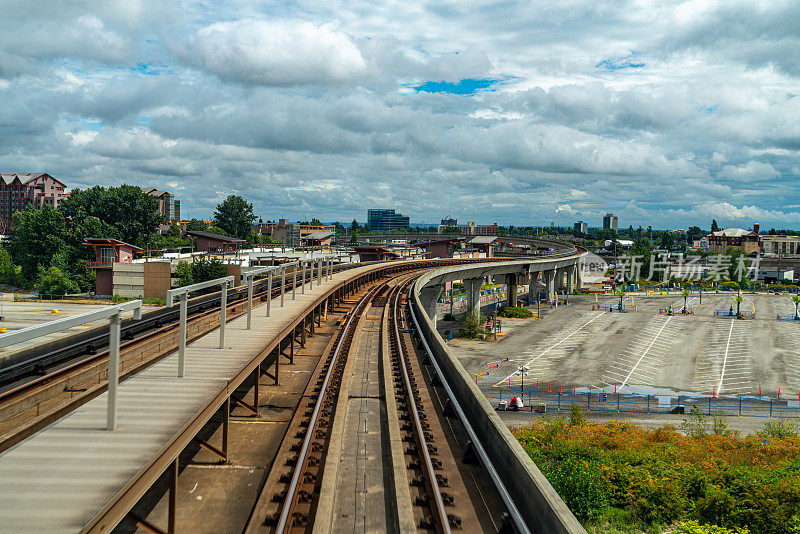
(249, 301)
(269, 292)
(182, 336)
(223, 313)
(303, 283)
(113, 370)
(319, 274)
(294, 280)
(283, 284)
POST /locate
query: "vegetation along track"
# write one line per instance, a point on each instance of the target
(426, 484)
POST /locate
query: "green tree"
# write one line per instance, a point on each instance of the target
(685, 294)
(132, 214)
(204, 269)
(738, 299)
(796, 300)
(34, 237)
(9, 273)
(354, 226)
(235, 216)
(196, 225)
(183, 272)
(714, 226)
(621, 294)
(54, 281)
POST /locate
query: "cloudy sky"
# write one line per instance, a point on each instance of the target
(666, 113)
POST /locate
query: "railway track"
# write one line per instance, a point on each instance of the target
(370, 447)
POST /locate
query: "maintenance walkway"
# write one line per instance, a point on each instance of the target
(76, 476)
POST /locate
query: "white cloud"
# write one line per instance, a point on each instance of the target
(752, 171)
(280, 53)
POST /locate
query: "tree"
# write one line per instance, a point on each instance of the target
(354, 226)
(9, 273)
(621, 295)
(132, 214)
(714, 225)
(235, 216)
(183, 272)
(796, 300)
(204, 270)
(738, 299)
(54, 281)
(34, 237)
(685, 294)
(196, 225)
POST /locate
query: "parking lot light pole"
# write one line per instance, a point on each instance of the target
(521, 371)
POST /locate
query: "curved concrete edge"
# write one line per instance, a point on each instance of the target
(539, 504)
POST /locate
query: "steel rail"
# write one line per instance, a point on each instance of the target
(516, 517)
(444, 522)
(289, 502)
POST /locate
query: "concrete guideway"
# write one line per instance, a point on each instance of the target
(532, 501)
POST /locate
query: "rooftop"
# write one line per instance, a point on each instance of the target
(110, 242)
(733, 232)
(323, 234)
(483, 240)
(215, 237)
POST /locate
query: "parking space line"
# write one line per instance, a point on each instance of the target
(645, 352)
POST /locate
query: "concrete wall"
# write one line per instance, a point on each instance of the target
(541, 507)
(142, 280)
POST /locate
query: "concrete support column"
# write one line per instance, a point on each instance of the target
(570, 279)
(550, 278)
(579, 275)
(533, 287)
(473, 287)
(429, 296)
(511, 282)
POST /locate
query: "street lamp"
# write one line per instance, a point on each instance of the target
(522, 370)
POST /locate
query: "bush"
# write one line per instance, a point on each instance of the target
(517, 313)
(780, 429)
(472, 326)
(618, 477)
(54, 281)
(448, 317)
(696, 425)
(576, 417)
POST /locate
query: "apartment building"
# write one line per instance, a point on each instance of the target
(470, 228)
(18, 190)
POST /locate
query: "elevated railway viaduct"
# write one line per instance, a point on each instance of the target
(92, 478)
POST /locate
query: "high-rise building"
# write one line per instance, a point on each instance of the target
(168, 207)
(610, 222)
(385, 220)
(582, 227)
(448, 221)
(20, 189)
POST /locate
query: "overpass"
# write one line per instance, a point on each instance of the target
(59, 452)
(534, 245)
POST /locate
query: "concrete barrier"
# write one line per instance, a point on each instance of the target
(541, 508)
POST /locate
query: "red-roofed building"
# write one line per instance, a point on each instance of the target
(209, 242)
(443, 248)
(108, 252)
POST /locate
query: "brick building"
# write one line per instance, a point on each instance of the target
(746, 240)
(18, 190)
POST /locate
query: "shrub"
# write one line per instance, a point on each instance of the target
(576, 417)
(472, 326)
(512, 311)
(54, 281)
(696, 425)
(780, 428)
(448, 317)
(694, 527)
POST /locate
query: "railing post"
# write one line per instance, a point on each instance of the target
(303, 283)
(770, 406)
(319, 274)
(283, 283)
(249, 301)
(740, 406)
(184, 305)
(113, 370)
(223, 313)
(294, 279)
(269, 292)
(589, 401)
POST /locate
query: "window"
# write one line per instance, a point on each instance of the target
(107, 255)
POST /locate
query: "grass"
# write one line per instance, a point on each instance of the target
(618, 477)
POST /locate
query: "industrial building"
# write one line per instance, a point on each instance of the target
(385, 220)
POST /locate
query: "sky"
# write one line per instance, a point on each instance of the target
(665, 113)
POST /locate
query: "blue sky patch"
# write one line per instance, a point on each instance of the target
(467, 86)
(708, 110)
(620, 63)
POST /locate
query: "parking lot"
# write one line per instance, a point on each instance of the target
(576, 348)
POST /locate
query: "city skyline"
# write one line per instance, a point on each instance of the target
(667, 114)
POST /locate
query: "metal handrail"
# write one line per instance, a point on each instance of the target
(113, 314)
